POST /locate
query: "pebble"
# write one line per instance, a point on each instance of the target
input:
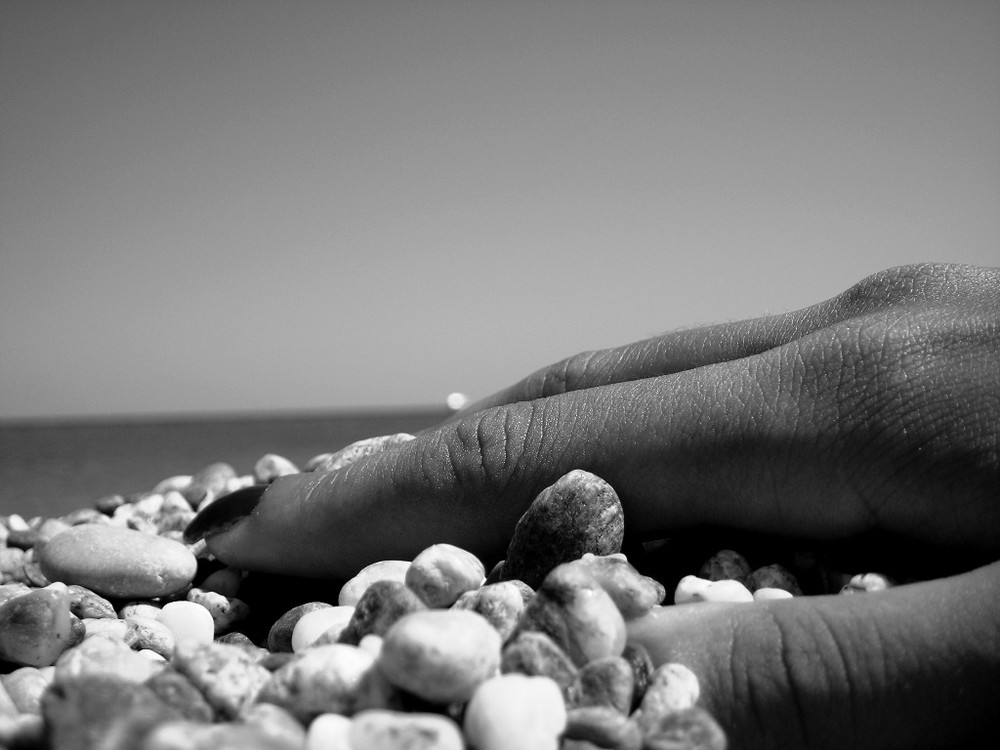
(692, 589)
(867, 582)
(381, 605)
(106, 628)
(274, 722)
(187, 735)
(440, 655)
(691, 728)
(633, 593)
(85, 603)
(579, 513)
(270, 466)
(768, 594)
(577, 613)
(641, 662)
(208, 483)
(228, 676)
(318, 622)
(90, 712)
(357, 450)
(605, 682)
(176, 483)
(35, 628)
(279, 637)
(143, 609)
(442, 573)
(726, 565)
(537, 655)
(146, 633)
(515, 712)
(104, 657)
(329, 731)
(189, 622)
(502, 604)
(774, 576)
(384, 570)
(25, 686)
(319, 680)
(225, 611)
(377, 729)
(118, 562)
(176, 691)
(604, 726)
(672, 687)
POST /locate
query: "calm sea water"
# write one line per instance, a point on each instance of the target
(51, 468)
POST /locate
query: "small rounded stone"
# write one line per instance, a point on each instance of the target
(768, 594)
(774, 576)
(279, 637)
(270, 466)
(633, 593)
(188, 621)
(604, 726)
(118, 562)
(577, 613)
(377, 729)
(672, 687)
(319, 680)
(864, 583)
(577, 514)
(440, 655)
(725, 565)
(35, 628)
(501, 603)
(535, 654)
(329, 731)
(691, 727)
(312, 625)
(381, 605)
(383, 570)
(515, 712)
(442, 573)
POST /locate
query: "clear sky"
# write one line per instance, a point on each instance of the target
(245, 206)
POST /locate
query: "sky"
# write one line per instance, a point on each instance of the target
(223, 206)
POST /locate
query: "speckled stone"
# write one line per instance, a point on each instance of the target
(85, 713)
(672, 687)
(632, 592)
(442, 573)
(319, 680)
(118, 562)
(577, 613)
(774, 576)
(605, 682)
(279, 637)
(104, 657)
(228, 676)
(394, 730)
(535, 654)
(177, 691)
(604, 726)
(725, 565)
(688, 729)
(440, 655)
(382, 604)
(580, 513)
(502, 604)
(641, 663)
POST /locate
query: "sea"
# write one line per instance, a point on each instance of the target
(49, 468)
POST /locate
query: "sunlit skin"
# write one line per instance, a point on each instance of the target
(875, 411)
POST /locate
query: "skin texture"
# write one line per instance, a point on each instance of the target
(876, 412)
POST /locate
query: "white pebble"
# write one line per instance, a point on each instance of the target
(372, 644)
(767, 594)
(329, 732)
(270, 466)
(694, 589)
(314, 624)
(377, 729)
(672, 687)
(442, 573)
(689, 589)
(189, 622)
(515, 712)
(383, 570)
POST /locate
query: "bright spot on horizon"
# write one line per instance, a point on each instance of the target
(457, 401)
